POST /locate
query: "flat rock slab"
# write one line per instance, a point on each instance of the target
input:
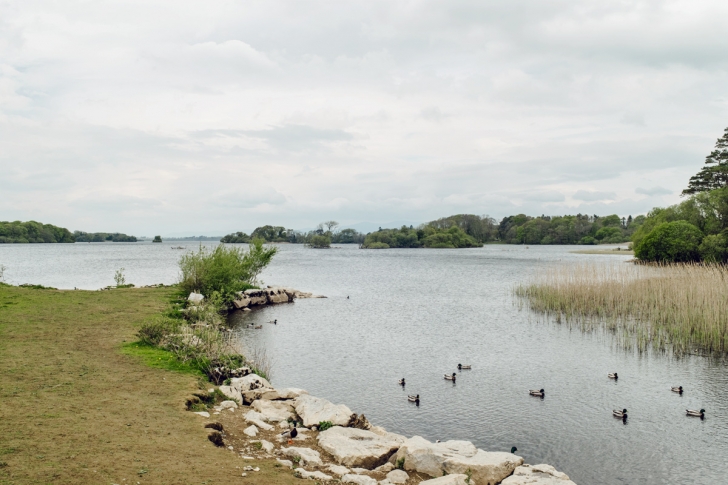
(273, 411)
(457, 479)
(315, 475)
(204, 414)
(307, 455)
(358, 479)
(338, 470)
(537, 475)
(251, 431)
(287, 463)
(234, 394)
(314, 410)
(286, 393)
(359, 448)
(397, 476)
(254, 417)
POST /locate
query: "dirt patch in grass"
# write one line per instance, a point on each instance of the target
(80, 404)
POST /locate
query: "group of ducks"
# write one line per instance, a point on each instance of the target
(449, 377)
(623, 413)
(258, 327)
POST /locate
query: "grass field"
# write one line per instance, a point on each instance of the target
(79, 403)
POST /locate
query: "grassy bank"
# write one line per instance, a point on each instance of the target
(79, 403)
(680, 308)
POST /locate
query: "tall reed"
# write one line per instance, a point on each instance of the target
(678, 308)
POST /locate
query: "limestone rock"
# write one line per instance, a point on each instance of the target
(251, 431)
(241, 303)
(486, 467)
(386, 468)
(338, 470)
(233, 394)
(457, 479)
(422, 456)
(358, 479)
(204, 414)
(315, 475)
(257, 419)
(228, 405)
(266, 446)
(307, 455)
(397, 476)
(281, 394)
(287, 463)
(537, 475)
(195, 298)
(313, 410)
(249, 383)
(358, 447)
(273, 411)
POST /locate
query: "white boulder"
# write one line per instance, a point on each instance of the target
(249, 383)
(537, 475)
(457, 479)
(204, 414)
(307, 455)
(314, 410)
(228, 405)
(287, 463)
(425, 457)
(266, 446)
(233, 394)
(386, 468)
(485, 467)
(251, 431)
(195, 298)
(315, 475)
(358, 479)
(338, 470)
(256, 418)
(273, 411)
(278, 394)
(397, 476)
(359, 448)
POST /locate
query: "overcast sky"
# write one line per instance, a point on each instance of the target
(176, 117)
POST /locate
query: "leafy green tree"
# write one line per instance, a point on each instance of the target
(714, 174)
(714, 248)
(236, 237)
(673, 242)
(320, 241)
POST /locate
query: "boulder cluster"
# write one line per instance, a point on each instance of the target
(268, 296)
(334, 444)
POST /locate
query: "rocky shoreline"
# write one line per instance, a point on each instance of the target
(348, 449)
(269, 296)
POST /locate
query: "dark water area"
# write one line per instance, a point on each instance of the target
(416, 314)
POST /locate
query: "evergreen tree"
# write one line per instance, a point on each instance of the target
(714, 175)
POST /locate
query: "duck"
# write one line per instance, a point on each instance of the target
(678, 389)
(461, 367)
(620, 414)
(291, 433)
(613, 376)
(401, 382)
(414, 399)
(513, 449)
(539, 392)
(450, 378)
(698, 414)
(258, 327)
(274, 322)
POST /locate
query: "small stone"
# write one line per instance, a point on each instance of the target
(244, 475)
(256, 469)
(386, 468)
(397, 476)
(287, 463)
(248, 458)
(316, 475)
(339, 470)
(230, 448)
(358, 479)
(267, 446)
(204, 414)
(251, 431)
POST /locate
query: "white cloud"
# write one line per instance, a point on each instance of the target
(234, 115)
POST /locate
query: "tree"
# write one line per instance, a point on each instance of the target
(670, 242)
(331, 225)
(714, 175)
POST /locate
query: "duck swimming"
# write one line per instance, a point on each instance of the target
(697, 414)
(538, 393)
(414, 399)
(401, 382)
(620, 414)
(513, 449)
(613, 376)
(461, 367)
(678, 389)
(450, 378)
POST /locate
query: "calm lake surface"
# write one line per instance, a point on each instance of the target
(416, 314)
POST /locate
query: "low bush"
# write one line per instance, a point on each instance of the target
(324, 425)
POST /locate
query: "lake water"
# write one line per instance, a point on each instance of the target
(416, 314)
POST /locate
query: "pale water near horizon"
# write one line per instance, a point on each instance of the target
(416, 314)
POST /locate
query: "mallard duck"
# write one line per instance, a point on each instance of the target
(613, 376)
(461, 367)
(401, 382)
(698, 414)
(258, 327)
(513, 449)
(450, 378)
(539, 392)
(678, 389)
(620, 414)
(291, 433)
(414, 399)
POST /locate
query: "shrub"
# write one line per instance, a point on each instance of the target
(676, 241)
(225, 270)
(320, 242)
(377, 245)
(587, 240)
(324, 425)
(713, 248)
(155, 332)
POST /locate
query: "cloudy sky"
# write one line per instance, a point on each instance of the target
(181, 117)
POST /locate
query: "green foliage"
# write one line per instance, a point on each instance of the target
(324, 425)
(154, 332)
(376, 245)
(714, 248)
(158, 358)
(236, 238)
(36, 287)
(400, 464)
(481, 228)
(578, 229)
(588, 240)
(271, 233)
(714, 175)
(119, 277)
(224, 270)
(157, 239)
(33, 232)
(102, 237)
(320, 242)
(347, 236)
(676, 241)
(425, 236)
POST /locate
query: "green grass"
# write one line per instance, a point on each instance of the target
(158, 358)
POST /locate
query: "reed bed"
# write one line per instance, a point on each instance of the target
(676, 308)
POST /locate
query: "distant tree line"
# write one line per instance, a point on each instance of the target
(324, 235)
(81, 236)
(33, 232)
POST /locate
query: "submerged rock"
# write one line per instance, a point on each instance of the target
(314, 410)
(359, 448)
(537, 475)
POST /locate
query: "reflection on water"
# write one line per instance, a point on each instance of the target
(417, 314)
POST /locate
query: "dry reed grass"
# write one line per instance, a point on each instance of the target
(677, 308)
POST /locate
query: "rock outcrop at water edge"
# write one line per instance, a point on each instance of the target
(537, 475)
(359, 448)
(314, 410)
(269, 296)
